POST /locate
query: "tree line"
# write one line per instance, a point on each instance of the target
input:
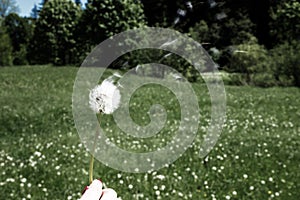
(257, 41)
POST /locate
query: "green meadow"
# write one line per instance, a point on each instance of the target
(41, 157)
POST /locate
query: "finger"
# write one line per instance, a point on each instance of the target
(109, 194)
(93, 192)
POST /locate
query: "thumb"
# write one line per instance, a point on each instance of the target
(93, 192)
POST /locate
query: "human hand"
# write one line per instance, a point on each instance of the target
(95, 192)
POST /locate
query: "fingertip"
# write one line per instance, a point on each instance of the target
(96, 183)
(109, 194)
(85, 189)
(93, 192)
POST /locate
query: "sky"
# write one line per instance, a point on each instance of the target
(26, 6)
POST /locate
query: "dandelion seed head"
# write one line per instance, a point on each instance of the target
(104, 97)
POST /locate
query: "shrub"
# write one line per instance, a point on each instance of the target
(263, 79)
(20, 57)
(144, 56)
(250, 59)
(286, 63)
(235, 79)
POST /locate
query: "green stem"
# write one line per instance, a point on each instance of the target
(92, 155)
(91, 168)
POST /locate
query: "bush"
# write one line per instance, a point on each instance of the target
(286, 63)
(144, 56)
(252, 61)
(235, 79)
(20, 57)
(263, 79)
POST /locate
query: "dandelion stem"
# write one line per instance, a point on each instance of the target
(93, 152)
(91, 168)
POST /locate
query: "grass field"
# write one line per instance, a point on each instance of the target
(41, 156)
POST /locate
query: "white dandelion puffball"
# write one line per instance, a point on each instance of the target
(105, 97)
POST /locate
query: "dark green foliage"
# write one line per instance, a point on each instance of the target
(233, 29)
(20, 31)
(20, 56)
(54, 40)
(160, 12)
(65, 33)
(248, 57)
(237, 29)
(286, 21)
(286, 63)
(5, 46)
(5, 50)
(252, 61)
(144, 56)
(104, 18)
(200, 32)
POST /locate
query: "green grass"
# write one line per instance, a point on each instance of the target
(41, 157)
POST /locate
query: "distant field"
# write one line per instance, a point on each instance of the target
(41, 157)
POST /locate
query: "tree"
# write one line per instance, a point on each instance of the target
(286, 21)
(34, 12)
(200, 32)
(104, 18)
(8, 6)
(20, 32)
(44, 2)
(5, 47)
(78, 2)
(179, 14)
(18, 29)
(53, 40)
(259, 14)
(165, 12)
(236, 29)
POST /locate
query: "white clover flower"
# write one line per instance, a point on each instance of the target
(160, 177)
(105, 97)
